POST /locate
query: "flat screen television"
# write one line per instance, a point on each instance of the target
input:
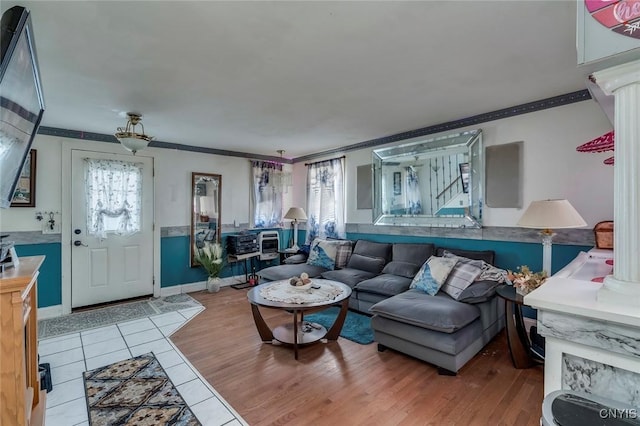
(21, 100)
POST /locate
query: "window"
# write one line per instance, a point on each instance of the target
(114, 197)
(325, 200)
(266, 197)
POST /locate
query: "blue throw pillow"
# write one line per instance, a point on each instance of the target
(433, 274)
(323, 253)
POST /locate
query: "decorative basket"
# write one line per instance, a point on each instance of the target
(604, 234)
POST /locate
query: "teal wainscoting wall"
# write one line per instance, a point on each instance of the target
(174, 263)
(176, 270)
(50, 278)
(509, 254)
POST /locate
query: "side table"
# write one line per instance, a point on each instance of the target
(519, 344)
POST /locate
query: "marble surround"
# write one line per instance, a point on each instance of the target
(591, 346)
(583, 375)
(619, 338)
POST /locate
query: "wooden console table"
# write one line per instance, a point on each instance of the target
(21, 400)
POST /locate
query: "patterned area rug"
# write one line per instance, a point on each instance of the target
(109, 315)
(135, 391)
(357, 327)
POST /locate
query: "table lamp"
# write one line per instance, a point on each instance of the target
(548, 215)
(295, 213)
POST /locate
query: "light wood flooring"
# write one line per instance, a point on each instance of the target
(344, 383)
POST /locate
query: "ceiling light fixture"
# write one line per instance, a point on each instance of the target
(128, 137)
(282, 179)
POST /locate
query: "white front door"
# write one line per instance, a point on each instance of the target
(119, 266)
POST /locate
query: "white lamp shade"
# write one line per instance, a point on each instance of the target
(551, 214)
(296, 213)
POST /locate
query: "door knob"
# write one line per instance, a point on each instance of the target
(78, 243)
(77, 231)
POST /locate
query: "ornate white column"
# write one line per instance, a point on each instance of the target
(623, 81)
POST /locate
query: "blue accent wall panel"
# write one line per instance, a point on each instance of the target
(175, 269)
(50, 278)
(174, 263)
(509, 255)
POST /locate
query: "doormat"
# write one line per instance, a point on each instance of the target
(135, 391)
(357, 327)
(110, 315)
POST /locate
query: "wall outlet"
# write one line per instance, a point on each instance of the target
(46, 228)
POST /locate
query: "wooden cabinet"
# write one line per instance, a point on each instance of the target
(21, 401)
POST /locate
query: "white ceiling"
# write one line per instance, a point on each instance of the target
(300, 76)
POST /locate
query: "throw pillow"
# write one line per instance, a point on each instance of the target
(402, 269)
(479, 291)
(461, 277)
(433, 274)
(323, 253)
(489, 272)
(474, 262)
(343, 253)
(366, 263)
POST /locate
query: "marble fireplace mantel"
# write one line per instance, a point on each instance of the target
(591, 346)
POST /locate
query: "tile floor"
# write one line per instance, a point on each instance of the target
(72, 354)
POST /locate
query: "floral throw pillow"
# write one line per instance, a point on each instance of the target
(323, 253)
(433, 274)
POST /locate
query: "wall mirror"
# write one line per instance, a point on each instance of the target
(205, 210)
(430, 182)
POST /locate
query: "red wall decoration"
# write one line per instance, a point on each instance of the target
(621, 16)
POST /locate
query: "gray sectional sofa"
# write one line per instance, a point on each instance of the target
(436, 329)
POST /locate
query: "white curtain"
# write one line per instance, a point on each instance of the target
(266, 197)
(114, 197)
(325, 200)
(414, 201)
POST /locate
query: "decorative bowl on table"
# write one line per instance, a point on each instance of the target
(303, 282)
(301, 287)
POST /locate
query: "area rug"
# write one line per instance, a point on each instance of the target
(357, 327)
(102, 317)
(135, 391)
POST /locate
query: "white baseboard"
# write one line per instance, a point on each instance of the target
(50, 312)
(198, 286)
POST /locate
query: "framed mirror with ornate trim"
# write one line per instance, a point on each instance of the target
(206, 196)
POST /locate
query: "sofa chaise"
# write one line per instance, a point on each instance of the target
(440, 329)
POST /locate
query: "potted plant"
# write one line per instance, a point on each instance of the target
(210, 258)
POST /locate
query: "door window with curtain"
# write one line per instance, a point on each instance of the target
(114, 197)
(325, 200)
(266, 196)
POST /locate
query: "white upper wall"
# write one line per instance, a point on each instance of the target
(552, 166)
(552, 169)
(172, 183)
